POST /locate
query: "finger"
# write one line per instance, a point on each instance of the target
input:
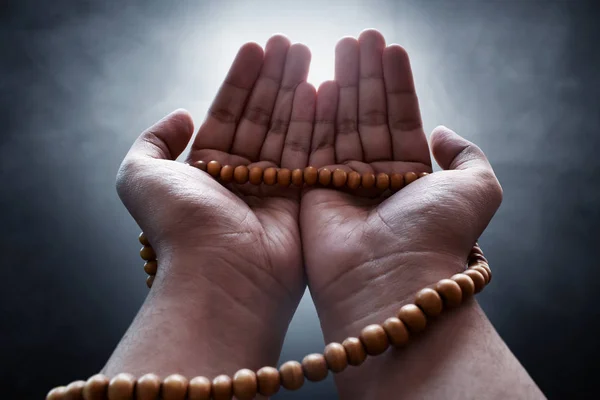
(218, 129)
(251, 132)
(297, 141)
(454, 152)
(164, 140)
(404, 117)
(347, 139)
(372, 110)
(296, 71)
(322, 150)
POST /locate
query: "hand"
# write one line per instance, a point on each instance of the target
(233, 250)
(367, 255)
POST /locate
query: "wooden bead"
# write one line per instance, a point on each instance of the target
(201, 165)
(396, 181)
(466, 284)
(430, 302)
(199, 388)
(423, 174)
(355, 350)
(375, 340)
(241, 174)
(151, 267)
(477, 278)
(477, 257)
(450, 292)
(314, 367)
(482, 271)
(298, 177)
(269, 381)
(409, 177)
(339, 178)
(256, 175)
(58, 393)
(245, 385)
(174, 387)
(487, 269)
(222, 388)
(226, 174)
(96, 387)
(336, 357)
(310, 175)
(396, 331)
(413, 318)
(150, 281)
(74, 390)
(270, 176)
(214, 168)
(324, 176)
(143, 239)
(368, 180)
(147, 253)
(284, 177)
(354, 180)
(292, 376)
(147, 387)
(121, 387)
(382, 181)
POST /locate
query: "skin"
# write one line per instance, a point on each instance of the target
(233, 259)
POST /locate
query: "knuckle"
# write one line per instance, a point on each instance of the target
(223, 115)
(346, 125)
(279, 126)
(258, 115)
(373, 118)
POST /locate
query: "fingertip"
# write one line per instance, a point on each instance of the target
(372, 37)
(183, 119)
(452, 151)
(251, 51)
(327, 87)
(395, 52)
(301, 50)
(278, 41)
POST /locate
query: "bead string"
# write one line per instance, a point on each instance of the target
(373, 340)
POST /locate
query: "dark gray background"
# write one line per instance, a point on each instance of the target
(80, 79)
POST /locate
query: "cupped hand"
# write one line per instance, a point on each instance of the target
(366, 253)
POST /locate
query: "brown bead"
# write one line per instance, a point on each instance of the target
(409, 177)
(245, 385)
(413, 318)
(174, 387)
(147, 253)
(143, 239)
(382, 181)
(96, 387)
(240, 174)
(58, 393)
(354, 180)
(466, 284)
(201, 165)
(147, 387)
(151, 267)
(487, 269)
(270, 176)
(150, 281)
(214, 168)
(423, 174)
(375, 340)
(284, 177)
(226, 174)
(336, 357)
(430, 302)
(482, 271)
(339, 177)
(368, 180)
(121, 387)
(292, 376)
(199, 388)
(477, 278)
(314, 367)
(310, 175)
(222, 388)
(256, 175)
(396, 331)
(324, 176)
(396, 181)
(450, 291)
(74, 390)
(355, 350)
(269, 381)
(298, 177)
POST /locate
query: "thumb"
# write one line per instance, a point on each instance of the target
(451, 151)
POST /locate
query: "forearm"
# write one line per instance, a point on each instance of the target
(203, 320)
(459, 355)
